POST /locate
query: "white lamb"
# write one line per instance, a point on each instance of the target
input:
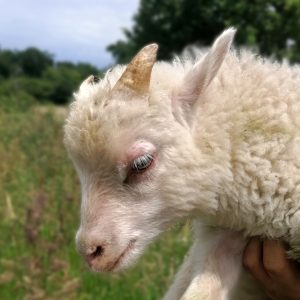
(217, 141)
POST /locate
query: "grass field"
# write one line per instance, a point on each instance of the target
(39, 209)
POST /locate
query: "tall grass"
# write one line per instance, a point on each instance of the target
(39, 210)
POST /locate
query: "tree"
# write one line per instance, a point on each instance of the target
(8, 63)
(85, 69)
(34, 62)
(271, 25)
(64, 80)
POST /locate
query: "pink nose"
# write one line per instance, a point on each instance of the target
(90, 246)
(93, 254)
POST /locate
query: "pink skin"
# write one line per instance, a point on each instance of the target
(112, 265)
(97, 255)
(139, 148)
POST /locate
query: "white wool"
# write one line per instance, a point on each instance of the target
(225, 132)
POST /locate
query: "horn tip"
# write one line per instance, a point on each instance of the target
(151, 48)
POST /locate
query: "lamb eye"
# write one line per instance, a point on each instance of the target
(142, 163)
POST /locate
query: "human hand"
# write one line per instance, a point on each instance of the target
(267, 262)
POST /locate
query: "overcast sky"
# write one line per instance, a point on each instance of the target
(76, 30)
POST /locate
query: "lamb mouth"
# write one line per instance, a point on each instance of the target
(117, 262)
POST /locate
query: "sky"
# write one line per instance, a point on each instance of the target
(74, 30)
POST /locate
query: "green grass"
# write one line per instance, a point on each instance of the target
(39, 215)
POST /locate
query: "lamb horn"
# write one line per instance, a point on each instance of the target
(136, 76)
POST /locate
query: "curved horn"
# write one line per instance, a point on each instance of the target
(137, 75)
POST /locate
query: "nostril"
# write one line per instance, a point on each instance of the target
(98, 251)
(94, 252)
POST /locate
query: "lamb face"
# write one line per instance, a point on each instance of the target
(124, 147)
(135, 156)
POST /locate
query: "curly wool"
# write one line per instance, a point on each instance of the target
(227, 132)
(249, 122)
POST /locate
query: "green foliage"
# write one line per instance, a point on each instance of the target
(8, 65)
(19, 101)
(271, 25)
(39, 200)
(33, 73)
(35, 87)
(34, 62)
(64, 80)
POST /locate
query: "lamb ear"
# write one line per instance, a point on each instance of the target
(204, 71)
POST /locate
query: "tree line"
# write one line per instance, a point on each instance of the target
(32, 75)
(271, 26)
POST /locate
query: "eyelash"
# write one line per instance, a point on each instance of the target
(141, 163)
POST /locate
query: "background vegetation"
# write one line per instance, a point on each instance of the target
(39, 191)
(272, 26)
(33, 74)
(39, 200)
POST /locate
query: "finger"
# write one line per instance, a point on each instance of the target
(276, 263)
(253, 260)
(274, 259)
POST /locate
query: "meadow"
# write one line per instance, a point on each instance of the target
(39, 215)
